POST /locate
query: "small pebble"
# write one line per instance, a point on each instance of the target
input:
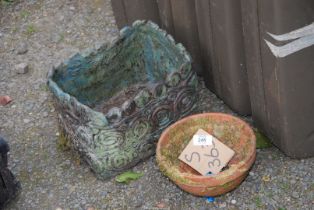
(4, 100)
(26, 121)
(223, 205)
(161, 205)
(21, 48)
(22, 68)
(295, 195)
(266, 178)
(233, 201)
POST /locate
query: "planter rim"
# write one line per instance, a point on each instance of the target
(102, 119)
(223, 177)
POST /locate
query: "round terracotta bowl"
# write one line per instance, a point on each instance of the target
(230, 130)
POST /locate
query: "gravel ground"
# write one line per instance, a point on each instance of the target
(35, 35)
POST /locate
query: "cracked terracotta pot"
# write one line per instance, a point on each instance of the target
(230, 130)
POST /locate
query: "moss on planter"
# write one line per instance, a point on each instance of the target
(174, 149)
(114, 102)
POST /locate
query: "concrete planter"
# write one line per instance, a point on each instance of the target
(230, 130)
(114, 102)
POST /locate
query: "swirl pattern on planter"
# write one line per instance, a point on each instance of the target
(114, 102)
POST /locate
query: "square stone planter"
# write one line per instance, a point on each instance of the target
(114, 102)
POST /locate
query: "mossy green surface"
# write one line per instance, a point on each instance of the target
(262, 141)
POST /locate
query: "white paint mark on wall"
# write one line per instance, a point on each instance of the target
(302, 38)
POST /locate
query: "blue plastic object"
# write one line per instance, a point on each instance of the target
(210, 199)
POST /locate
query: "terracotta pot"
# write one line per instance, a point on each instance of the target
(230, 130)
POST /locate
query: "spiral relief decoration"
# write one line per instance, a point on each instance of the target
(162, 116)
(121, 160)
(138, 129)
(107, 142)
(158, 88)
(185, 101)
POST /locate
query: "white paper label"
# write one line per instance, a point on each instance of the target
(211, 156)
(202, 140)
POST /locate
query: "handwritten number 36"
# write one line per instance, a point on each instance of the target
(214, 153)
